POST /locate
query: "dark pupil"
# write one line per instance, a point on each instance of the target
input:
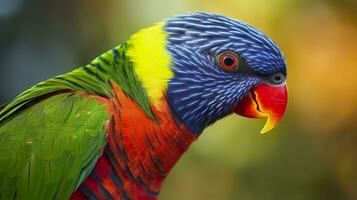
(228, 61)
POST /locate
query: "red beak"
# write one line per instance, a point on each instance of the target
(264, 101)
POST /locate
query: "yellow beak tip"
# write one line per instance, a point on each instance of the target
(269, 125)
(265, 130)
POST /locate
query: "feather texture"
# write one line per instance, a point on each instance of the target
(113, 129)
(47, 150)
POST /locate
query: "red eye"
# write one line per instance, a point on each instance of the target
(228, 61)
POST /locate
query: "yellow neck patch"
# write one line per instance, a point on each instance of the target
(147, 50)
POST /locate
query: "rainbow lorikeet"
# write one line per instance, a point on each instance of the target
(113, 129)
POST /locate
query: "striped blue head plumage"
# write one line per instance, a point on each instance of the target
(217, 62)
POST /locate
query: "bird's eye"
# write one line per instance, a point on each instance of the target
(229, 61)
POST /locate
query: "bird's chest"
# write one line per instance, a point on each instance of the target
(139, 154)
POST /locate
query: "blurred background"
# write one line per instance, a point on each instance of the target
(311, 155)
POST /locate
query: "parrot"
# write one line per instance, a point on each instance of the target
(114, 128)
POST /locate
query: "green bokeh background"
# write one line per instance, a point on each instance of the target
(312, 154)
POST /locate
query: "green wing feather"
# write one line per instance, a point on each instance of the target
(48, 149)
(51, 135)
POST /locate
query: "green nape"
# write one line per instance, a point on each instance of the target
(47, 150)
(96, 78)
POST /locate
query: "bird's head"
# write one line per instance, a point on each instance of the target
(208, 66)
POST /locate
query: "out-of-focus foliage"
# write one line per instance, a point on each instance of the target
(311, 155)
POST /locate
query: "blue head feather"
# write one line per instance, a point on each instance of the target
(201, 92)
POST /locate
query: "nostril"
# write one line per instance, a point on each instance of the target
(277, 78)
